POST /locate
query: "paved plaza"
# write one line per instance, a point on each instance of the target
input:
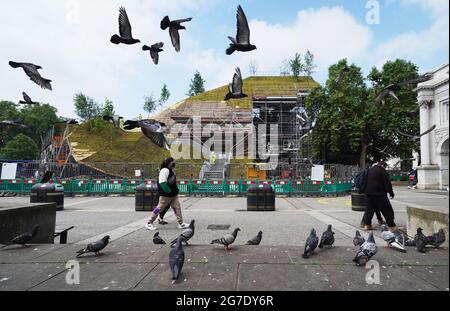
(132, 262)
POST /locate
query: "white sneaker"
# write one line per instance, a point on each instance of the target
(151, 226)
(183, 226)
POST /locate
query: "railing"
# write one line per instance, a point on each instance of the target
(106, 186)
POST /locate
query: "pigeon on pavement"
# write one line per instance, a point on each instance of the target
(95, 247)
(436, 239)
(311, 244)
(154, 51)
(394, 239)
(366, 251)
(157, 239)
(358, 240)
(421, 241)
(227, 239)
(32, 71)
(242, 41)
(176, 260)
(327, 238)
(23, 238)
(256, 240)
(186, 234)
(235, 88)
(174, 26)
(126, 36)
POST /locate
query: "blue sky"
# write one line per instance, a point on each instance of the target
(70, 40)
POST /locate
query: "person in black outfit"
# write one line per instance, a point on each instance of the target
(378, 186)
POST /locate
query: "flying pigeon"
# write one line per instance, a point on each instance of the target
(242, 41)
(394, 239)
(366, 251)
(256, 240)
(95, 247)
(32, 71)
(235, 88)
(152, 129)
(68, 121)
(154, 51)
(11, 123)
(421, 241)
(124, 30)
(27, 100)
(436, 239)
(358, 240)
(114, 119)
(47, 176)
(174, 26)
(186, 234)
(176, 260)
(342, 72)
(24, 238)
(423, 134)
(157, 239)
(311, 244)
(392, 88)
(327, 238)
(227, 239)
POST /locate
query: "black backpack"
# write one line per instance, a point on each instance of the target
(361, 180)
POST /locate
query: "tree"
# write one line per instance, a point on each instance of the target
(197, 85)
(38, 120)
(351, 128)
(164, 97)
(253, 67)
(86, 108)
(108, 108)
(21, 147)
(8, 111)
(309, 65)
(296, 65)
(150, 104)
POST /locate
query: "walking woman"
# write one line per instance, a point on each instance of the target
(168, 194)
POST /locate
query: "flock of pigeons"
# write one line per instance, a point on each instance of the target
(367, 248)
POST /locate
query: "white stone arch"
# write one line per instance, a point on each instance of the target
(442, 151)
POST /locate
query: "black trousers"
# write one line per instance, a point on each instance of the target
(164, 211)
(382, 204)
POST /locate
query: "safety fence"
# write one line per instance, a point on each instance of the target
(189, 187)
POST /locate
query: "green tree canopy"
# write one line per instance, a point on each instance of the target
(351, 128)
(296, 65)
(309, 64)
(150, 104)
(164, 97)
(38, 119)
(21, 147)
(108, 108)
(87, 109)
(197, 85)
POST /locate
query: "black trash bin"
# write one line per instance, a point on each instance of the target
(359, 201)
(48, 192)
(260, 198)
(146, 197)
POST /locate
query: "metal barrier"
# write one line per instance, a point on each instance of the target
(188, 186)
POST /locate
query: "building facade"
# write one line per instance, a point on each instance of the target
(433, 98)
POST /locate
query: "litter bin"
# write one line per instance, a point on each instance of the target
(359, 201)
(146, 197)
(48, 192)
(260, 198)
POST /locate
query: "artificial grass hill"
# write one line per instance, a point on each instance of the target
(258, 86)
